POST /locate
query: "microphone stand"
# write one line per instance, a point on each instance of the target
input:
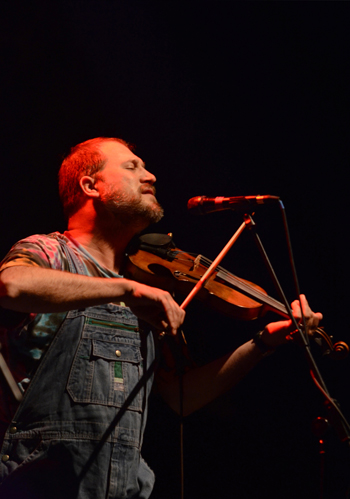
(335, 416)
(303, 338)
(184, 304)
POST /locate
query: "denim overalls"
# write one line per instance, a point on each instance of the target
(53, 445)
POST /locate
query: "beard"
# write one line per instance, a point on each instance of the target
(132, 209)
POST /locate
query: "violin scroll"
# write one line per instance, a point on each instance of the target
(336, 351)
(340, 350)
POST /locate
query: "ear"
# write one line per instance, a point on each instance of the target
(88, 187)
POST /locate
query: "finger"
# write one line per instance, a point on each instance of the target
(310, 318)
(313, 318)
(296, 309)
(305, 306)
(174, 315)
(175, 318)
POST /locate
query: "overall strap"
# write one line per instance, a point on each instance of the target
(75, 264)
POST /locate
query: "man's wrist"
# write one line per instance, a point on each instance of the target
(262, 346)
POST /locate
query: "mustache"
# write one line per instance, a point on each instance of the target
(148, 188)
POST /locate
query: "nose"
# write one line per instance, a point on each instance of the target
(148, 177)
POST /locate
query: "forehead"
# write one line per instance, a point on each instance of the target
(117, 153)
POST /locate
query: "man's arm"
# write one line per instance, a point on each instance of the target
(34, 289)
(204, 384)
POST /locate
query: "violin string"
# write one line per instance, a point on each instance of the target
(241, 284)
(232, 279)
(223, 272)
(259, 295)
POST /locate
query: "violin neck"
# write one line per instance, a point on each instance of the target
(242, 286)
(276, 306)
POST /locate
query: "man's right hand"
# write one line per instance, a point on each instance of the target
(155, 306)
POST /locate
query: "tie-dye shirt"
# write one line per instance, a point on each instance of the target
(28, 341)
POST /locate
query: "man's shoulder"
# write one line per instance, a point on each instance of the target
(51, 242)
(51, 238)
(44, 250)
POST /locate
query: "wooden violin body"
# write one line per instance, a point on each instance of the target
(182, 274)
(172, 269)
(157, 262)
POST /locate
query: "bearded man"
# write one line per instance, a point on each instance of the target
(83, 348)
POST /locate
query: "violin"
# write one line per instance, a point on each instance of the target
(155, 260)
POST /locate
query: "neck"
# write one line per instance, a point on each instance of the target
(105, 240)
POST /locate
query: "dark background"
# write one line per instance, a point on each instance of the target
(221, 99)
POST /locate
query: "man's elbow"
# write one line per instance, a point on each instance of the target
(10, 287)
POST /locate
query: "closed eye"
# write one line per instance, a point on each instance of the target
(130, 165)
(133, 165)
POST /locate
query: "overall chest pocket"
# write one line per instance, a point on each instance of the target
(107, 365)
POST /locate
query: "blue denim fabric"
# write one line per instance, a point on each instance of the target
(96, 358)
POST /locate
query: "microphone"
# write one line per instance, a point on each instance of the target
(200, 205)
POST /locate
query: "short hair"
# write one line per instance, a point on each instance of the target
(85, 158)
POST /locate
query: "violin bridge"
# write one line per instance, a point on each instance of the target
(197, 262)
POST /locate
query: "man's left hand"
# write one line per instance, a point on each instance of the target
(276, 333)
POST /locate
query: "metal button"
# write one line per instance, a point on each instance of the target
(5, 458)
(118, 353)
(13, 429)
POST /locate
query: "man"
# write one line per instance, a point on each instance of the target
(84, 345)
